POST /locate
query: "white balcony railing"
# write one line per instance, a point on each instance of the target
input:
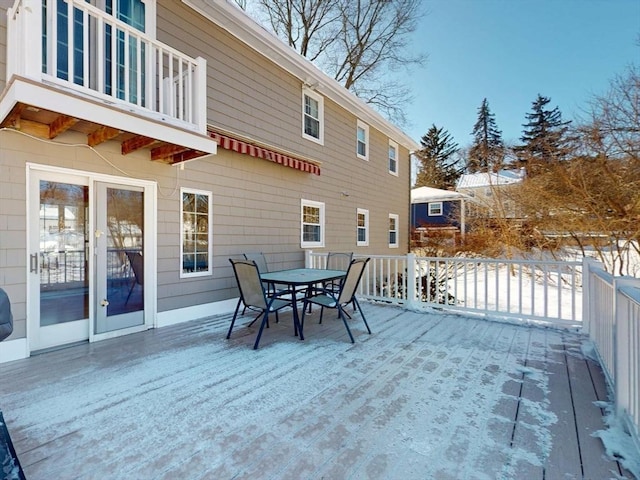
(94, 53)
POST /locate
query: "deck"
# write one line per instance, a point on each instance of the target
(426, 396)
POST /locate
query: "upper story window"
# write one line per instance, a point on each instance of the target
(393, 158)
(435, 209)
(195, 228)
(362, 135)
(362, 228)
(312, 224)
(312, 116)
(393, 230)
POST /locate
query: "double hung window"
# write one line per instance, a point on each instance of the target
(312, 116)
(312, 224)
(362, 138)
(435, 209)
(393, 158)
(393, 230)
(362, 228)
(195, 228)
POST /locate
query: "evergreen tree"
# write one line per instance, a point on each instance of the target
(544, 138)
(438, 168)
(487, 151)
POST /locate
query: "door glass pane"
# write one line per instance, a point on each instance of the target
(64, 285)
(125, 272)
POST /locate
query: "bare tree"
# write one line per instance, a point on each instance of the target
(363, 44)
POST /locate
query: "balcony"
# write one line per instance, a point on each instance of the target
(105, 79)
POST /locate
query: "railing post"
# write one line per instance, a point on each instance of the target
(307, 259)
(412, 269)
(24, 22)
(200, 96)
(586, 295)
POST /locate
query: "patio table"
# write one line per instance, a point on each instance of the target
(298, 277)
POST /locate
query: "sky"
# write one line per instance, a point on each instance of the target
(509, 51)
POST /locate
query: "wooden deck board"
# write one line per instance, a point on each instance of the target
(424, 396)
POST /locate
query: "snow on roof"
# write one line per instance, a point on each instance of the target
(430, 194)
(487, 179)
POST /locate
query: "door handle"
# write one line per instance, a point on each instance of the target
(104, 303)
(33, 263)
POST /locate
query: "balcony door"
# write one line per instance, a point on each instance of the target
(91, 241)
(72, 43)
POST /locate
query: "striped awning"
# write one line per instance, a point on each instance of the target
(230, 143)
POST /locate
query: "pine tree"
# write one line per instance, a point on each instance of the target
(438, 168)
(487, 151)
(544, 138)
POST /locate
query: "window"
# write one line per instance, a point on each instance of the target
(393, 158)
(195, 225)
(393, 230)
(435, 209)
(312, 116)
(362, 228)
(312, 216)
(362, 148)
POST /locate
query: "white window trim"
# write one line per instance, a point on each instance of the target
(320, 99)
(397, 219)
(365, 243)
(209, 270)
(394, 145)
(365, 127)
(434, 214)
(311, 203)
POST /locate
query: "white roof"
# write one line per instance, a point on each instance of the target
(430, 194)
(487, 179)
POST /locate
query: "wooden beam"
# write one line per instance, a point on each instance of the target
(185, 156)
(37, 129)
(13, 119)
(101, 134)
(136, 143)
(166, 151)
(61, 124)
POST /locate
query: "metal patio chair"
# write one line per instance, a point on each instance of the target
(327, 298)
(137, 265)
(253, 295)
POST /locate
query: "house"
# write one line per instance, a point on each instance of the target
(489, 192)
(437, 212)
(144, 143)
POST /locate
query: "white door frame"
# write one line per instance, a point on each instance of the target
(150, 228)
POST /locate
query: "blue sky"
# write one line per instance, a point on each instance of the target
(509, 51)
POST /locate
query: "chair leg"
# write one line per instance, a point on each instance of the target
(235, 314)
(265, 321)
(362, 314)
(344, 320)
(321, 312)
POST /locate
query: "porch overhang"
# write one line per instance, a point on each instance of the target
(46, 111)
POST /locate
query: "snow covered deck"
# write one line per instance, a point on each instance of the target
(425, 396)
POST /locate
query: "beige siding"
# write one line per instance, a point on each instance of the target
(256, 203)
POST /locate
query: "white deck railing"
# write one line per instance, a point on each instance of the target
(545, 291)
(575, 294)
(612, 319)
(105, 59)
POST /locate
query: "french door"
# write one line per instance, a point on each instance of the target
(90, 241)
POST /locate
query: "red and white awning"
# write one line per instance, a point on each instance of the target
(229, 143)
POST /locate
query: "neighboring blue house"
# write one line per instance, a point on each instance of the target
(434, 210)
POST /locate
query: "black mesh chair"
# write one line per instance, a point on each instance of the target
(253, 295)
(327, 298)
